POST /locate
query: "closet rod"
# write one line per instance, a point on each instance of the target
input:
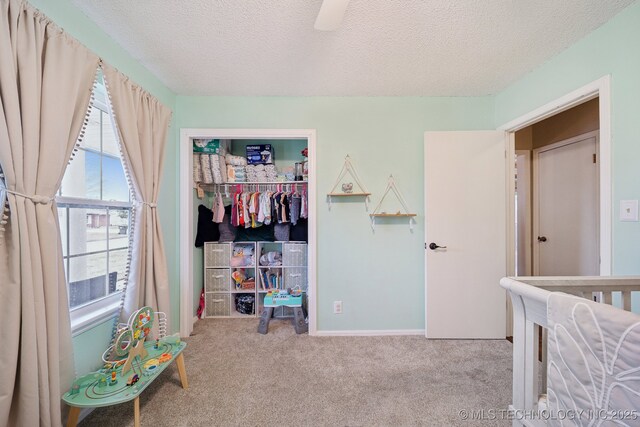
(254, 186)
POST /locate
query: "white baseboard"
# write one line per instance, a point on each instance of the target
(370, 333)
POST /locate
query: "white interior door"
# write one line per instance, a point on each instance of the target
(465, 209)
(566, 208)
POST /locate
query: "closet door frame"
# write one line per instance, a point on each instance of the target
(187, 318)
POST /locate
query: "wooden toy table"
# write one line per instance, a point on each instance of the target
(94, 395)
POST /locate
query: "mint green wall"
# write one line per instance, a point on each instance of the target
(378, 276)
(612, 49)
(88, 346)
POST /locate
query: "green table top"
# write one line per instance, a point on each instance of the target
(279, 300)
(93, 394)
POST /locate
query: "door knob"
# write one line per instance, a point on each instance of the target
(542, 239)
(434, 246)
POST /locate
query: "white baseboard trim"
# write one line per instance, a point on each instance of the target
(370, 333)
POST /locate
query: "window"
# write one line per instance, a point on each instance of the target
(94, 209)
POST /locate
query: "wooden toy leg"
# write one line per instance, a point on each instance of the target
(72, 419)
(182, 371)
(265, 317)
(136, 412)
(298, 321)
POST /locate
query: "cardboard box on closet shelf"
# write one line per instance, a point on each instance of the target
(259, 154)
(210, 146)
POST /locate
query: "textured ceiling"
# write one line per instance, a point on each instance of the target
(384, 47)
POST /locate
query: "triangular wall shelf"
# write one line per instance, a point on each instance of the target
(348, 168)
(391, 186)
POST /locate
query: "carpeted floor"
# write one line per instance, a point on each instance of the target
(240, 378)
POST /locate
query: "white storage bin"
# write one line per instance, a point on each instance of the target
(216, 280)
(294, 254)
(217, 305)
(216, 254)
(295, 277)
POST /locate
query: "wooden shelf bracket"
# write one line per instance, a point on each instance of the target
(348, 168)
(391, 186)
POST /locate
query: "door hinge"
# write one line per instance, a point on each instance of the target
(594, 157)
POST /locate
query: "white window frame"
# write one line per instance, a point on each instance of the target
(87, 316)
(93, 313)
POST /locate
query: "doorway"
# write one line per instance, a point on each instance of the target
(601, 89)
(187, 211)
(557, 205)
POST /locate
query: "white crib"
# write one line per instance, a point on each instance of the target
(529, 296)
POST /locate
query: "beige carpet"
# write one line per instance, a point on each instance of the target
(240, 378)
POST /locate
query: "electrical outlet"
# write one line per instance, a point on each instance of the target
(337, 307)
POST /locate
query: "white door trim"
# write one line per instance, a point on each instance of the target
(536, 187)
(527, 234)
(601, 89)
(186, 211)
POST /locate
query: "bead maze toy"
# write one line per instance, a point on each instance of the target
(130, 365)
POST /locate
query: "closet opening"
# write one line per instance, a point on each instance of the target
(247, 222)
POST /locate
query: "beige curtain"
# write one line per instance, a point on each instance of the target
(46, 79)
(142, 123)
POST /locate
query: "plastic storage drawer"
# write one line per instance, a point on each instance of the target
(216, 280)
(295, 277)
(216, 254)
(294, 254)
(217, 305)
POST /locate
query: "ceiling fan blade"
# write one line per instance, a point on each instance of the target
(330, 15)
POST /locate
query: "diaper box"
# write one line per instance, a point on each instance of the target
(260, 154)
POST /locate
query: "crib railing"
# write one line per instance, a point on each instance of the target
(529, 299)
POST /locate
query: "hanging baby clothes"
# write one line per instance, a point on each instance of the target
(227, 231)
(264, 213)
(238, 211)
(275, 207)
(304, 206)
(283, 200)
(207, 230)
(295, 204)
(218, 208)
(245, 209)
(254, 209)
